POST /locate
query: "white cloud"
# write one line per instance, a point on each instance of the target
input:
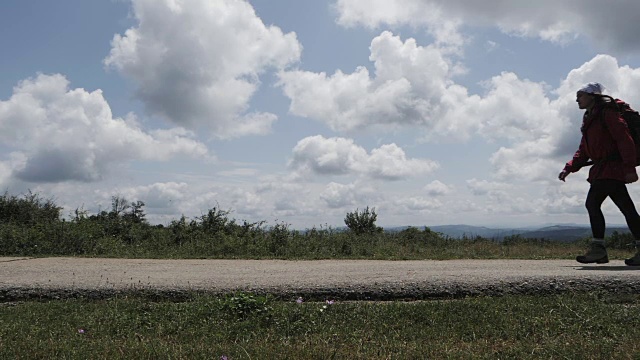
(340, 156)
(160, 197)
(484, 187)
(197, 63)
(413, 87)
(338, 195)
(5, 173)
(564, 198)
(515, 109)
(59, 134)
(341, 196)
(409, 87)
(443, 26)
(335, 156)
(438, 188)
(389, 162)
(418, 203)
(619, 81)
(566, 21)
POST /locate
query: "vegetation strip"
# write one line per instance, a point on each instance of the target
(452, 290)
(33, 226)
(249, 326)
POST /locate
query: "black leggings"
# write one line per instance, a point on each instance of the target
(617, 191)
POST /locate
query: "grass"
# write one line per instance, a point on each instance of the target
(247, 326)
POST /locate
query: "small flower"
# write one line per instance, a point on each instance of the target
(81, 331)
(224, 357)
(330, 302)
(300, 301)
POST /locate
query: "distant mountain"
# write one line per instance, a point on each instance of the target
(554, 232)
(459, 231)
(560, 232)
(569, 233)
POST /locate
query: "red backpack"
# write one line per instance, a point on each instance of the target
(630, 116)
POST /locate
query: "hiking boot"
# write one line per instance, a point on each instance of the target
(596, 254)
(634, 261)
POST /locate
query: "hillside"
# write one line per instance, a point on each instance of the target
(554, 232)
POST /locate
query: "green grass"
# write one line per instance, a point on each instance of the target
(246, 326)
(144, 241)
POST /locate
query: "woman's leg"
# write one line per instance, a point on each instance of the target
(597, 252)
(598, 192)
(622, 199)
(620, 196)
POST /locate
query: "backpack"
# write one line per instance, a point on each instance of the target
(630, 116)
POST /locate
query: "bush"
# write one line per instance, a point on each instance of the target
(621, 241)
(363, 222)
(243, 305)
(31, 209)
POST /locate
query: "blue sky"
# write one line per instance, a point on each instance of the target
(433, 112)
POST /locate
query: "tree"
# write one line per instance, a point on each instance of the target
(363, 222)
(136, 213)
(118, 206)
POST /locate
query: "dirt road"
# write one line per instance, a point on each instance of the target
(23, 278)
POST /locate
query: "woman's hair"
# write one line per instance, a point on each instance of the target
(605, 100)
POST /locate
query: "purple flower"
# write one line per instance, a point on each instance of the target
(300, 301)
(224, 357)
(330, 302)
(81, 331)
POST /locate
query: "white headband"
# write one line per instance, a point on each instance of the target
(592, 88)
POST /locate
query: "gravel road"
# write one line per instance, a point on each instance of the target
(29, 278)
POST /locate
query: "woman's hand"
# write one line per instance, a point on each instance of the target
(631, 178)
(564, 173)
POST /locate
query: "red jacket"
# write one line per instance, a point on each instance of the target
(610, 146)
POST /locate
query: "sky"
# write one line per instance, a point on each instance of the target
(297, 112)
